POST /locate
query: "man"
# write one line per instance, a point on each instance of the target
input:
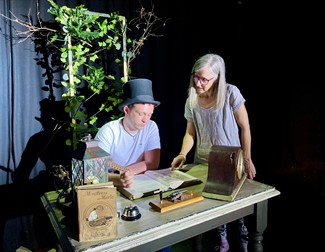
(133, 140)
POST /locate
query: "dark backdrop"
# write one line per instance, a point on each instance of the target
(274, 52)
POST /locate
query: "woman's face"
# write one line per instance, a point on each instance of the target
(203, 80)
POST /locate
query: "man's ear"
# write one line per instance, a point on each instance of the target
(126, 109)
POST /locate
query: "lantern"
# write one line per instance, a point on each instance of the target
(90, 163)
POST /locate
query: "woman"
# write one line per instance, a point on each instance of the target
(215, 112)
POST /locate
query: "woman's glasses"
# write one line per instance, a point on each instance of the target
(203, 81)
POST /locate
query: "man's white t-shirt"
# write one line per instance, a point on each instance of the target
(123, 148)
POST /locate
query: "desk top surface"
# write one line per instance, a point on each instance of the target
(152, 223)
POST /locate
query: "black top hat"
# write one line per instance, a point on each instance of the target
(138, 91)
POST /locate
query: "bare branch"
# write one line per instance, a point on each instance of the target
(148, 22)
(30, 28)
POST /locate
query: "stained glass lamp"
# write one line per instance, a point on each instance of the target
(90, 163)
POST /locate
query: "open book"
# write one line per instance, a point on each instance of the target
(154, 181)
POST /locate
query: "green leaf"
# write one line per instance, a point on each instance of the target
(65, 77)
(118, 46)
(68, 142)
(94, 57)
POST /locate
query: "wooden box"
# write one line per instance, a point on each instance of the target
(225, 173)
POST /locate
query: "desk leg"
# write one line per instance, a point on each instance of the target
(260, 225)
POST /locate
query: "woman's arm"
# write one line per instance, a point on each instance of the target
(245, 138)
(188, 142)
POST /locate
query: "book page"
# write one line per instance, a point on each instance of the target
(143, 185)
(171, 178)
(154, 181)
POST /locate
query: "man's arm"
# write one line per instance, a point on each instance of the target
(150, 161)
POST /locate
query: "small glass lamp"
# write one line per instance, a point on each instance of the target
(90, 163)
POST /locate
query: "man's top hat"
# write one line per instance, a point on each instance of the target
(138, 91)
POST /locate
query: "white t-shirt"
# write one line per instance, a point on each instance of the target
(123, 148)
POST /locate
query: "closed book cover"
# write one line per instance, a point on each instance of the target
(97, 212)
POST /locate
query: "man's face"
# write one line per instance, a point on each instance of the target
(139, 114)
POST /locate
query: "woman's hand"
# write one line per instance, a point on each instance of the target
(178, 161)
(250, 169)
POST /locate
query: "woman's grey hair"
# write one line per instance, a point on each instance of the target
(217, 68)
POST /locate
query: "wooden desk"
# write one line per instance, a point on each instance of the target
(155, 230)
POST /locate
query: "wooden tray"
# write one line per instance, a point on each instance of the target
(165, 205)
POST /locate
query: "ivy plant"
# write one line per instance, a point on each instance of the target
(93, 53)
(85, 37)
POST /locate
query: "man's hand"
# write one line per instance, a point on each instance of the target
(126, 178)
